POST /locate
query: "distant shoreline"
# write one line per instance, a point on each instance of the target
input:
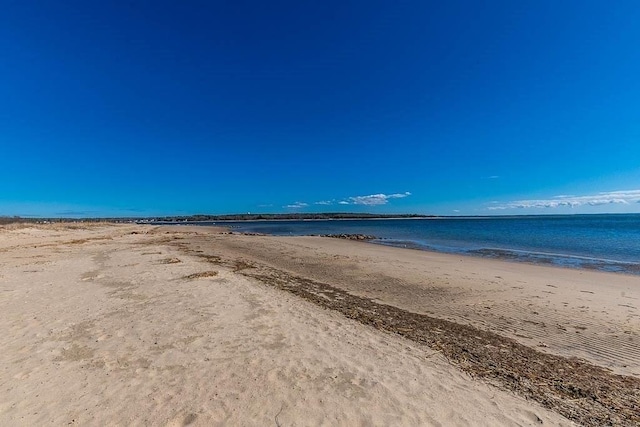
(395, 217)
(8, 219)
(278, 220)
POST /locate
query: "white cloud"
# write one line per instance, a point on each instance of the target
(370, 200)
(605, 198)
(373, 199)
(297, 205)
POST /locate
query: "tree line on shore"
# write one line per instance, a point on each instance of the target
(210, 218)
(285, 216)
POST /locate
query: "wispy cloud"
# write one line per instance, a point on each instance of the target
(370, 200)
(373, 199)
(297, 205)
(604, 198)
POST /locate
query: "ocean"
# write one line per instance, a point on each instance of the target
(602, 242)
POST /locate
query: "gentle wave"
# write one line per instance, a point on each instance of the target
(543, 258)
(598, 242)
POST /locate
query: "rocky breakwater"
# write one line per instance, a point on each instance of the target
(350, 236)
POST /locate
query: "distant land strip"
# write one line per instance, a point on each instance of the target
(226, 217)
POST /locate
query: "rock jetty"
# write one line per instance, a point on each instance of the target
(350, 236)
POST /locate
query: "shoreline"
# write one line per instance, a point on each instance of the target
(583, 354)
(551, 259)
(298, 327)
(620, 289)
(511, 255)
(469, 285)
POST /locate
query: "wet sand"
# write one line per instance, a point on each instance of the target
(575, 313)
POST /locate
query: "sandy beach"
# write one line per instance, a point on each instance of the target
(141, 325)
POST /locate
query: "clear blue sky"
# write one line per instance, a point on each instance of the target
(447, 107)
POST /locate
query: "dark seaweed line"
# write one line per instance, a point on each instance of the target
(578, 390)
(582, 392)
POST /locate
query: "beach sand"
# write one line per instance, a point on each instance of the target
(142, 325)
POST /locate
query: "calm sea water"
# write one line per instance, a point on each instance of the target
(602, 242)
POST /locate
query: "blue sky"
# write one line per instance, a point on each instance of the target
(146, 108)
